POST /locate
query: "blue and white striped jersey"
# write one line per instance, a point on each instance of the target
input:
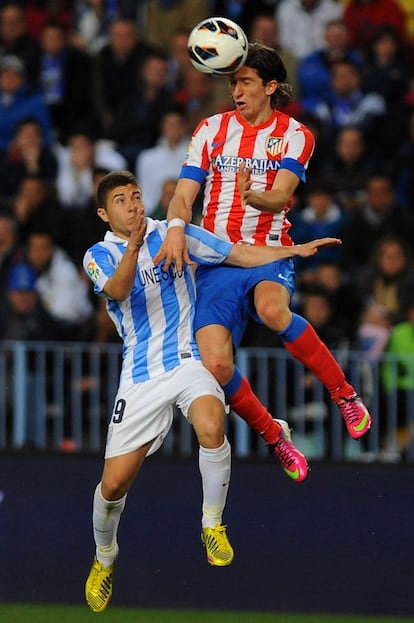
(156, 321)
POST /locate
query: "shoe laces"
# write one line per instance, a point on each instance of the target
(101, 585)
(219, 532)
(349, 410)
(283, 449)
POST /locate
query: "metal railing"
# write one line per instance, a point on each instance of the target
(59, 396)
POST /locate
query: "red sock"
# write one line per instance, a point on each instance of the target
(312, 352)
(246, 404)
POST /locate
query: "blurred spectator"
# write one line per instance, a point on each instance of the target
(136, 124)
(243, 12)
(178, 58)
(302, 24)
(24, 317)
(321, 217)
(386, 280)
(317, 306)
(398, 373)
(36, 206)
(65, 80)
(347, 302)
(26, 155)
(264, 28)
(347, 169)
(202, 95)
(116, 69)
(92, 22)
(380, 215)
(314, 70)
(83, 227)
(408, 97)
(403, 166)
(164, 161)
(16, 41)
(165, 16)
(76, 162)
(39, 12)
(386, 71)
(62, 290)
(373, 333)
(384, 284)
(364, 16)
(167, 191)
(408, 8)
(19, 101)
(347, 103)
(11, 252)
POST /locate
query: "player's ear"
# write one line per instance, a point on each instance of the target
(101, 212)
(271, 87)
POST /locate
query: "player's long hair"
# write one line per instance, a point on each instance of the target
(269, 65)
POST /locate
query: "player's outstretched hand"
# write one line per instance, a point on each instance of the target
(173, 250)
(312, 247)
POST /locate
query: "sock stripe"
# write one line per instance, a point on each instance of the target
(234, 384)
(294, 329)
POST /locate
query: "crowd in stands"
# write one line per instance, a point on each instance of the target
(88, 86)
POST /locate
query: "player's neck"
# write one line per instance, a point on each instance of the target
(262, 118)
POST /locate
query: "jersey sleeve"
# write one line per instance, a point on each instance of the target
(301, 144)
(197, 162)
(99, 265)
(204, 247)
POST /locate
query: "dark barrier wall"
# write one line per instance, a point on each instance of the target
(341, 542)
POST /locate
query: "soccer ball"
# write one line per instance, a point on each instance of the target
(217, 45)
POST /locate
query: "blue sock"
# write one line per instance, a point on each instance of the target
(233, 386)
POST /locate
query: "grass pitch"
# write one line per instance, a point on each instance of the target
(17, 613)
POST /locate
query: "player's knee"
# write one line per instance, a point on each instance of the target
(113, 488)
(273, 313)
(211, 436)
(209, 425)
(220, 368)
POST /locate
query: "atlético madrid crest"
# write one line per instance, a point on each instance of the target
(274, 145)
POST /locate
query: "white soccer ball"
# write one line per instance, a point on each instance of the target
(217, 45)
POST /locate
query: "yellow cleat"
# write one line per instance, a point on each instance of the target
(218, 549)
(98, 588)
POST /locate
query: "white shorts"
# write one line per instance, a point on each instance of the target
(144, 411)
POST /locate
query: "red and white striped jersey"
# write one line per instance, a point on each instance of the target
(219, 145)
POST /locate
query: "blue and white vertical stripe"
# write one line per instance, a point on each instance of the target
(155, 322)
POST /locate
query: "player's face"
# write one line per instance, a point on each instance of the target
(251, 97)
(122, 205)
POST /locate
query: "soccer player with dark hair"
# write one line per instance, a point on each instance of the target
(250, 161)
(153, 310)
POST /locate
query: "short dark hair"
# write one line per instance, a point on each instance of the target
(110, 181)
(269, 66)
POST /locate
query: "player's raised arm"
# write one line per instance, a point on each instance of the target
(174, 248)
(250, 256)
(118, 287)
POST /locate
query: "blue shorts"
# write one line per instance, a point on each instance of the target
(225, 294)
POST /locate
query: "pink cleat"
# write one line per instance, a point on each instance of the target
(293, 462)
(357, 418)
